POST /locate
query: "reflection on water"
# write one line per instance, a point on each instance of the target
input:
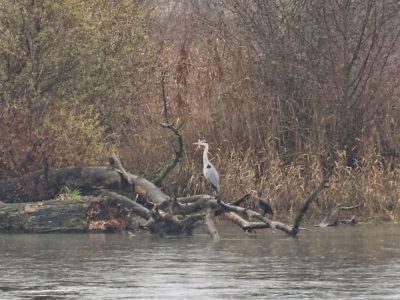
(361, 262)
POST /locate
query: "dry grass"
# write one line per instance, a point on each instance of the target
(287, 186)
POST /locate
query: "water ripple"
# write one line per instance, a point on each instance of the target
(356, 263)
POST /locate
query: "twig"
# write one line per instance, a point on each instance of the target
(350, 207)
(164, 98)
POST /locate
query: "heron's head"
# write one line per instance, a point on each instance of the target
(200, 143)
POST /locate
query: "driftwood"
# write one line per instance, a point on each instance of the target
(109, 201)
(333, 218)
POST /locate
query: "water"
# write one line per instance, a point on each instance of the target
(361, 262)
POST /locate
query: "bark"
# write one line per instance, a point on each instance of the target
(41, 217)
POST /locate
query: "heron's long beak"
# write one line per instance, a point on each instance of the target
(199, 144)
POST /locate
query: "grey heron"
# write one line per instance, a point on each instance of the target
(264, 206)
(209, 171)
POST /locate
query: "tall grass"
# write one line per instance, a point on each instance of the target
(286, 186)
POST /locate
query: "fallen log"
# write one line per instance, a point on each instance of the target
(42, 217)
(106, 211)
(110, 202)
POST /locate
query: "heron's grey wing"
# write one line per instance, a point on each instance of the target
(212, 176)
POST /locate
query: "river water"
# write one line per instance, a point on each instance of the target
(361, 262)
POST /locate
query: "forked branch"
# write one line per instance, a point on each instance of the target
(178, 153)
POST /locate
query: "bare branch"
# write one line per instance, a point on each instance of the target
(244, 224)
(158, 178)
(310, 199)
(126, 202)
(190, 199)
(164, 99)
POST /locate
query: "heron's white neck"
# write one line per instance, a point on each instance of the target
(205, 155)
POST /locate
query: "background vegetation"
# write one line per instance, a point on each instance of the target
(282, 90)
